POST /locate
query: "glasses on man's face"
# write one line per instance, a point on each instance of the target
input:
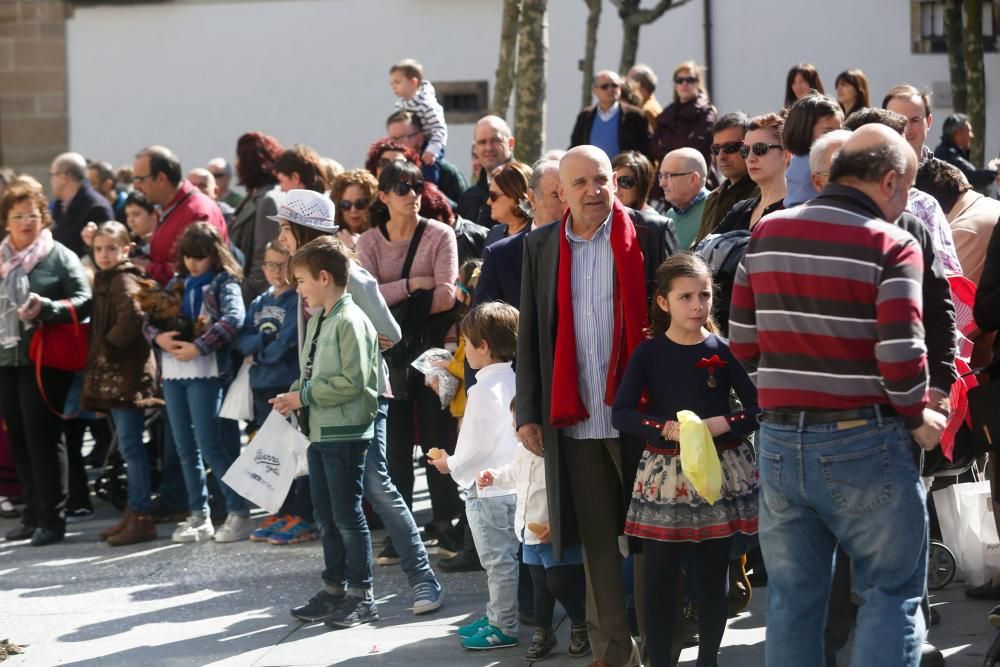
(273, 266)
(494, 195)
(25, 217)
(627, 182)
(728, 148)
(358, 204)
(403, 189)
(136, 178)
(685, 79)
(667, 175)
(759, 149)
(609, 86)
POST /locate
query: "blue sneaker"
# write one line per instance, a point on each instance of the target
(268, 527)
(427, 597)
(489, 637)
(295, 530)
(471, 629)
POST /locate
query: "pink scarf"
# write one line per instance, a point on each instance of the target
(26, 259)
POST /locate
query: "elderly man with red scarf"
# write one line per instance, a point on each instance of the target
(586, 283)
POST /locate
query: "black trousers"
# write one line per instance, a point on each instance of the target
(421, 421)
(36, 441)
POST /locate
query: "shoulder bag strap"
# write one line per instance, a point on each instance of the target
(411, 251)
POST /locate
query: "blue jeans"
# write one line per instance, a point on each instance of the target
(336, 472)
(193, 409)
(129, 425)
(860, 487)
(492, 523)
(387, 502)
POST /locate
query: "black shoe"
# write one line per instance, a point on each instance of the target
(388, 555)
(930, 656)
(987, 591)
(352, 611)
(542, 643)
(319, 607)
(995, 617)
(463, 561)
(44, 536)
(22, 532)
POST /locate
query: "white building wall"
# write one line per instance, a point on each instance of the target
(195, 75)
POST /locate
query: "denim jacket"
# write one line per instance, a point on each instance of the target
(221, 306)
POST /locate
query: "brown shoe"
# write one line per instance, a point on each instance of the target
(117, 528)
(140, 528)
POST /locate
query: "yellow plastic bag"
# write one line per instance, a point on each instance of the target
(699, 460)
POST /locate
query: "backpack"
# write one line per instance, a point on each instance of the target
(723, 254)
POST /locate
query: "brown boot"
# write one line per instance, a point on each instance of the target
(140, 528)
(117, 528)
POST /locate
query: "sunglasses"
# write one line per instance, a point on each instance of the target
(627, 182)
(728, 148)
(494, 195)
(685, 79)
(608, 86)
(403, 189)
(759, 149)
(347, 204)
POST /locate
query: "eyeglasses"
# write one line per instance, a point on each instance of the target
(136, 178)
(385, 162)
(728, 148)
(273, 266)
(627, 182)
(403, 189)
(667, 175)
(608, 86)
(347, 204)
(685, 79)
(21, 217)
(494, 195)
(759, 149)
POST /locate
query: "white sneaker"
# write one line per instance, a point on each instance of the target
(193, 529)
(235, 529)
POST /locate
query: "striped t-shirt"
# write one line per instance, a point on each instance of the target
(827, 312)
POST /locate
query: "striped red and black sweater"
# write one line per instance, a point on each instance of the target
(827, 310)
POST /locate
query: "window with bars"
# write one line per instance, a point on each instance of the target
(927, 26)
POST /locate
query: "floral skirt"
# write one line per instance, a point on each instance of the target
(666, 507)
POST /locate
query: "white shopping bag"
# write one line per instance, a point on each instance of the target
(965, 512)
(238, 404)
(264, 471)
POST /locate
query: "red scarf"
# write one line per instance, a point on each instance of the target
(631, 319)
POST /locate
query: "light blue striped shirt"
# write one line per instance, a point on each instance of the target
(594, 321)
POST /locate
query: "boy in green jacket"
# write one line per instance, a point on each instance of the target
(337, 398)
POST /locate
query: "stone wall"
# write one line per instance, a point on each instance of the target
(34, 123)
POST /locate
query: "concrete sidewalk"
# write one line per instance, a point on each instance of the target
(84, 603)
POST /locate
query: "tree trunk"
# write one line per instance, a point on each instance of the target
(587, 64)
(956, 54)
(507, 62)
(976, 81)
(630, 46)
(532, 68)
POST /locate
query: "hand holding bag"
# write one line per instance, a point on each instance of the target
(699, 460)
(263, 473)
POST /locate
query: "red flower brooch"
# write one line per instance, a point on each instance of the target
(710, 365)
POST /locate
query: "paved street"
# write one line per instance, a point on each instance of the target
(84, 603)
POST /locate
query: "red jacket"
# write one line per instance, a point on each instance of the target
(188, 205)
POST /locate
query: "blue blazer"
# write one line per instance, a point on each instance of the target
(500, 277)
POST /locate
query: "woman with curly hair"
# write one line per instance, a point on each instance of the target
(353, 193)
(256, 157)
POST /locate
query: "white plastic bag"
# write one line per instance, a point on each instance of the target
(264, 471)
(238, 404)
(447, 385)
(965, 512)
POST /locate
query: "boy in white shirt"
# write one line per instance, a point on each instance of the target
(487, 440)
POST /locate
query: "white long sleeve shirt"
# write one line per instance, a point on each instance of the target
(487, 439)
(526, 475)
